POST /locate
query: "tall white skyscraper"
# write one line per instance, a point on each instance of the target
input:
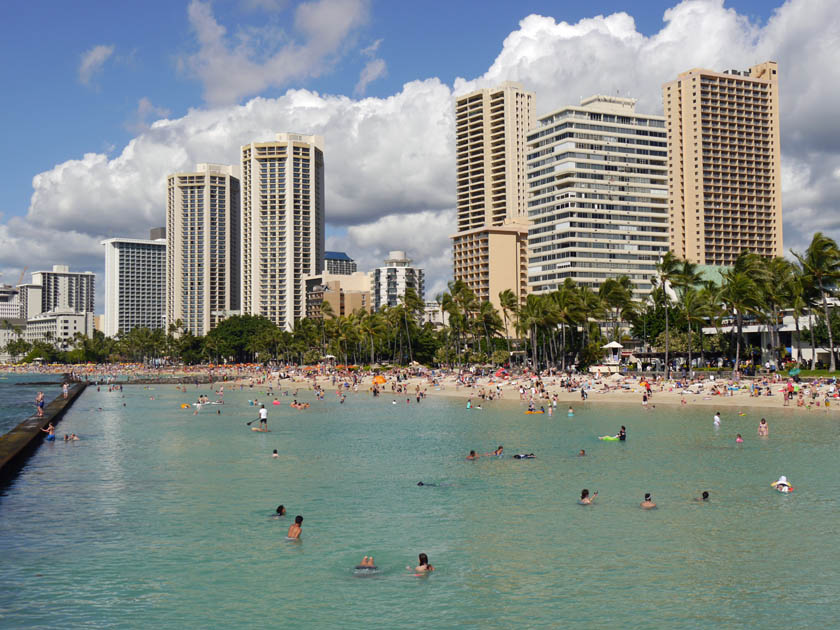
(202, 247)
(282, 224)
(135, 284)
(597, 177)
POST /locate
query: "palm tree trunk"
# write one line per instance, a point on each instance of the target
(813, 343)
(689, 351)
(798, 339)
(832, 366)
(738, 342)
(667, 335)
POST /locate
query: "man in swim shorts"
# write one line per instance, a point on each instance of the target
(295, 528)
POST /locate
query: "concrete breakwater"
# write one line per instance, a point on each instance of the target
(19, 443)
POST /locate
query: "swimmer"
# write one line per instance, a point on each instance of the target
(585, 499)
(622, 434)
(571, 411)
(524, 456)
(423, 566)
(275, 454)
(763, 428)
(782, 484)
(295, 528)
(738, 439)
(281, 511)
(498, 451)
(367, 564)
(50, 431)
(473, 455)
(716, 420)
(74, 437)
(703, 497)
(420, 483)
(582, 453)
(648, 503)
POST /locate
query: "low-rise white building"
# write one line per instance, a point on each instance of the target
(58, 327)
(434, 314)
(391, 281)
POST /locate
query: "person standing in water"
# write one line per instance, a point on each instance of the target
(622, 434)
(716, 421)
(763, 428)
(423, 566)
(648, 503)
(295, 528)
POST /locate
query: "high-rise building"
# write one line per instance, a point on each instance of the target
(339, 263)
(724, 163)
(345, 293)
(598, 195)
(491, 127)
(202, 247)
(282, 224)
(64, 290)
(10, 305)
(135, 284)
(391, 281)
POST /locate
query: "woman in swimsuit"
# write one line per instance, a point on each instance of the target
(585, 499)
(424, 566)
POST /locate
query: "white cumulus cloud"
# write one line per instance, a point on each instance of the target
(231, 68)
(92, 62)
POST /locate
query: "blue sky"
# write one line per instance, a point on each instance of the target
(49, 116)
(103, 99)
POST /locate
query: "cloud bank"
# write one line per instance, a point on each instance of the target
(390, 161)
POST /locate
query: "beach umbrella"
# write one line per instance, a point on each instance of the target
(378, 380)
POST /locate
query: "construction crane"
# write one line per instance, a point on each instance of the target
(22, 273)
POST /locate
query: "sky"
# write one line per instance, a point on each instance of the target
(102, 100)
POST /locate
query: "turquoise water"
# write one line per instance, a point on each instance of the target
(159, 518)
(17, 396)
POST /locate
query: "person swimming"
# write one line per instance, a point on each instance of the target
(782, 485)
(423, 566)
(648, 503)
(582, 453)
(367, 564)
(703, 497)
(622, 434)
(763, 428)
(524, 456)
(275, 453)
(498, 451)
(295, 528)
(571, 411)
(585, 499)
(473, 455)
(281, 511)
(738, 439)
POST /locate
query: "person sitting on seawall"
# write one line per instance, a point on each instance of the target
(585, 499)
(703, 497)
(648, 503)
(295, 528)
(423, 566)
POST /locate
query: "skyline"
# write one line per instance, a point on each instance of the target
(389, 157)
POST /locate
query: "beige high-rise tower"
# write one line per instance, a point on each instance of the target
(724, 163)
(282, 224)
(202, 247)
(489, 248)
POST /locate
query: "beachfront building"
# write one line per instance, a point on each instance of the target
(390, 282)
(345, 293)
(597, 178)
(339, 263)
(60, 289)
(491, 127)
(59, 327)
(10, 306)
(135, 284)
(202, 247)
(724, 163)
(282, 224)
(434, 314)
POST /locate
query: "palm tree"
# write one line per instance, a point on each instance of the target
(668, 269)
(508, 304)
(821, 262)
(740, 294)
(695, 309)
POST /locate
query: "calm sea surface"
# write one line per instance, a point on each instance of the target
(17, 396)
(161, 518)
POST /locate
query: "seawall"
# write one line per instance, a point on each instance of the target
(19, 443)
